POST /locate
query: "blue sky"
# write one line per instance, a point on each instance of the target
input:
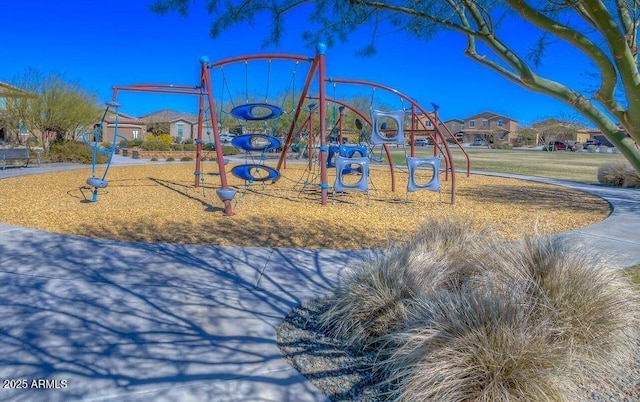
(120, 42)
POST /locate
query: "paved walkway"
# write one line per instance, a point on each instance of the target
(101, 320)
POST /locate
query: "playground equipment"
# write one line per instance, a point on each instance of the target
(94, 140)
(387, 127)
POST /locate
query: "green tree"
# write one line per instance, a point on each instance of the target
(54, 109)
(605, 31)
(157, 128)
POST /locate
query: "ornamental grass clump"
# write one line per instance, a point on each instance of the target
(476, 344)
(373, 296)
(618, 174)
(451, 316)
(595, 311)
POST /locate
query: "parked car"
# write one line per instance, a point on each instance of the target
(226, 138)
(421, 142)
(560, 146)
(596, 143)
(478, 142)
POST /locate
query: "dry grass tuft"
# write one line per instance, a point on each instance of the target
(474, 344)
(620, 174)
(595, 311)
(374, 295)
(451, 317)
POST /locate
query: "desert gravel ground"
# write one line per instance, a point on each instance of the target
(160, 203)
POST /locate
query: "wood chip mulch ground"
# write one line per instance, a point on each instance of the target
(160, 203)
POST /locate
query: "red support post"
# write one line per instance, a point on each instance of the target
(322, 155)
(216, 135)
(412, 139)
(296, 115)
(199, 132)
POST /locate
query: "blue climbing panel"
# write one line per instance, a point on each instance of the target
(363, 167)
(414, 164)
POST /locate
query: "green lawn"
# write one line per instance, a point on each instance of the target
(574, 166)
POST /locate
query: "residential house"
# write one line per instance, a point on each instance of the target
(453, 127)
(181, 126)
(10, 131)
(560, 130)
(487, 126)
(129, 127)
(423, 126)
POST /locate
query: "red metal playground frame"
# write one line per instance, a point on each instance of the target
(316, 73)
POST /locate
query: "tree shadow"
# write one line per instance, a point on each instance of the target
(543, 196)
(147, 321)
(262, 231)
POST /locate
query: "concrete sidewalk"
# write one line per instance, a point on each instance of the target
(104, 320)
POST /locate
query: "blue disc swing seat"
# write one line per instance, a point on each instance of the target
(256, 111)
(256, 142)
(250, 172)
(413, 165)
(361, 185)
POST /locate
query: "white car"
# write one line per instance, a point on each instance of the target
(226, 138)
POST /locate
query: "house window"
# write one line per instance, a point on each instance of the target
(180, 128)
(472, 123)
(135, 134)
(485, 123)
(428, 123)
(3, 103)
(22, 130)
(500, 123)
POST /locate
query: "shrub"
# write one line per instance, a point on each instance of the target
(374, 295)
(175, 147)
(591, 148)
(165, 138)
(477, 344)
(603, 149)
(154, 145)
(453, 316)
(189, 146)
(153, 159)
(186, 159)
(591, 309)
(134, 144)
(170, 159)
(230, 150)
(73, 151)
(501, 145)
(618, 174)
(188, 141)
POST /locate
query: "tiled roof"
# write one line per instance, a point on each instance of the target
(169, 116)
(4, 87)
(489, 115)
(123, 119)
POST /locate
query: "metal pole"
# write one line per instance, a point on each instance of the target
(199, 132)
(322, 156)
(216, 136)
